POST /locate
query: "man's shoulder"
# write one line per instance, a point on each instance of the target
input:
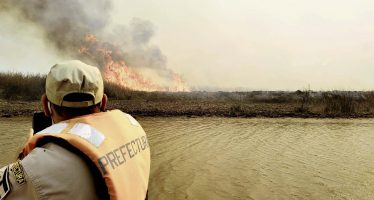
(52, 156)
(50, 169)
(54, 169)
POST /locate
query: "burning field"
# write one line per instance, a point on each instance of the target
(111, 58)
(136, 72)
(83, 30)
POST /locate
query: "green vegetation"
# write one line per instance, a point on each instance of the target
(19, 95)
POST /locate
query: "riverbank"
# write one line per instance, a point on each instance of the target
(20, 94)
(196, 108)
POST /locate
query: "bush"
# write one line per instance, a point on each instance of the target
(336, 103)
(116, 92)
(236, 110)
(304, 100)
(18, 86)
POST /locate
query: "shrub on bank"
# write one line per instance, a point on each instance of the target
(28, 87)
(339, 103)
(116, 92)
(18, 86)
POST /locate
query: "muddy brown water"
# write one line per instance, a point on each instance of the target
(234, 158)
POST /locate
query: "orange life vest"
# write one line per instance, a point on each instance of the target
(115, 142)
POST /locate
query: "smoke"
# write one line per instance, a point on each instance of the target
(138, 51)
(63, 22)
(67, 24)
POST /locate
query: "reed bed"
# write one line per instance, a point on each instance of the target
(19, 94)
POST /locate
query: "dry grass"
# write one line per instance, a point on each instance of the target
(18, 86)
(28, 87)
(19, 89)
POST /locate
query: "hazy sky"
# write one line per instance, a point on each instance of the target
(252, 44)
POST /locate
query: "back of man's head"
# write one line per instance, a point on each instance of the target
(74, 88)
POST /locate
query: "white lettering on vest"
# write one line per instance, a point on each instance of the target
(117, 156)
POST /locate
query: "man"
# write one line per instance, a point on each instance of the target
(87, 153)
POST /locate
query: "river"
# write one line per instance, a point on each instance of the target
(258, 158)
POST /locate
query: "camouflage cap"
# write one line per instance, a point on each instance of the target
(74, 77)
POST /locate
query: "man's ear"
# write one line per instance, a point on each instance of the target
(104, 103)
(44, 102)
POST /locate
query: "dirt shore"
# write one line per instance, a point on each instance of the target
(192, 109)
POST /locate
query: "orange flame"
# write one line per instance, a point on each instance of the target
(115, 70)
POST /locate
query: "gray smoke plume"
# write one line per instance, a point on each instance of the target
(67, 22)
(135, 38)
